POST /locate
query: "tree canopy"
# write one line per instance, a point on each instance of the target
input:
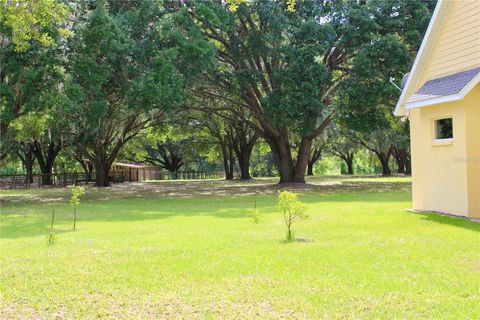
(279, 82)
(292, 68)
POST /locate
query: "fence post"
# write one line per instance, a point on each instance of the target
(75, 177)
(64, 178)
(12, 185)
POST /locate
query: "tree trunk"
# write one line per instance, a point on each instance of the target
(102, 169)
(400, 165)
(102, 161)
(231, 162)
(46, 160)
(402, 157)
(282, 157)
(87, 168)
(314, 156)
(242, 140)
(88, 172)
(349, 162)
(46, 175)
(288, 171)
(384, 160)
(227, 161)
(399, 159)
(29, 159)
(310, 168)
(302, 160)
(408, 166)
(244, 164)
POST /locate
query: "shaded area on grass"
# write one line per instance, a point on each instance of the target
(203, 188)
(459, 222)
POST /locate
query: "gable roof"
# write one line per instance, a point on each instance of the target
(135, 165)
(449, 88)
(425, 48)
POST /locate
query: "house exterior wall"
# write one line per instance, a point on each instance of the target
(457, 44)
(446, 174)
(473, 151)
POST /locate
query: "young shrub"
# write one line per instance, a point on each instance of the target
(256, 215)
(51, 238)
(292, 209)
(77, 191)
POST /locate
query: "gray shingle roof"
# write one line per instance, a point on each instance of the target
(444, 86)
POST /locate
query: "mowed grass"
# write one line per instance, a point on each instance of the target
(361, 255)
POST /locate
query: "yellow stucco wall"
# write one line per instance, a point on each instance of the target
(473, 152)
(446, 175)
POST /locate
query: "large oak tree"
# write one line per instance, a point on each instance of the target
(126, 73)
(287, 66)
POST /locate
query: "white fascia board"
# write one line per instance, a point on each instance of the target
(421, 52)
(429, 102)
(470, 85)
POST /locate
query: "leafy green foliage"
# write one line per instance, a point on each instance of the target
(126, 74)
(34, 20)
(292, 210)
(29, 79)
(283, 69)
(77, 191)
(367, 97)
(296, 69)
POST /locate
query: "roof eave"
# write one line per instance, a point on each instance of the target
(450, 98)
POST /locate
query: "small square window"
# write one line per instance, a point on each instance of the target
(444, 129)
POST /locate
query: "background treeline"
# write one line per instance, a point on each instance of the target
(253, 88)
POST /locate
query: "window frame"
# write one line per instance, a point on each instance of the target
(442, 141)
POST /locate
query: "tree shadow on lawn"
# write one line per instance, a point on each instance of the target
(459, 222)
(147, 208)
(197, 189)
(31, 225)
(15, 231)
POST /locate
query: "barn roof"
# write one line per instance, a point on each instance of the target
(135, 165)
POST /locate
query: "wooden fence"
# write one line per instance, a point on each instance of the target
(15, 181)
(63, 179)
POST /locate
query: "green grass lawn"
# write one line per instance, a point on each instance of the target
(144, 252)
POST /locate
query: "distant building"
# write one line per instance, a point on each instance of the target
(442, 100)
(134, 172)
